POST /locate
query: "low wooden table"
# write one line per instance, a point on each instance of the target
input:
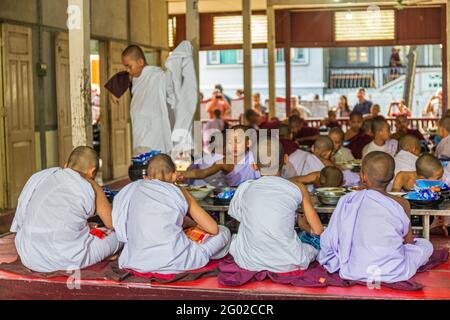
(444, 210)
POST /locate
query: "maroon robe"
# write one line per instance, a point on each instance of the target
(307, 132)
(289, 146)
(357, 144)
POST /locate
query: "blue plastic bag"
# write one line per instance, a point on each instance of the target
(310, 239)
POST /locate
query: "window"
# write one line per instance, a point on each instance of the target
(225, 57)
(298, 55)
(228, 29)
(358, 55)
(213, 57)
(372, 24)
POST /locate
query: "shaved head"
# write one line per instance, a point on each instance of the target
(134, 52)
(409, 143)
(444, 123)
(331, 177)
(285, 131)
(161, 167)
(323, 144)
(428, 166)
(83, 159)
(378, 124)
(338, 132)
(378, 168)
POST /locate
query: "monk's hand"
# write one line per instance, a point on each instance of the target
(180, 177)
(114, 99)
(93, 225)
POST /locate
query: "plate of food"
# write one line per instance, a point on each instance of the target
(200, 193)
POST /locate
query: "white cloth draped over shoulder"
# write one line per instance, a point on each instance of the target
(51, 223)
(148, 217)
(266, 240)
(302, 163)
(157, 95)
(365, 240)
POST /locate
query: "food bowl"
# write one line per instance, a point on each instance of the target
(200, 193)
(330, 196)
(423, 204)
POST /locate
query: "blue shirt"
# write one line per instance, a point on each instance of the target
(363, 108)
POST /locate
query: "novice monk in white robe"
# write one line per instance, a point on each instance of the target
(149, 216)
(51, 217)
(302, 163)
(382, 139)
(266, 209)
(238, 164)
(369, 237)
(149, 112)
(406, 158)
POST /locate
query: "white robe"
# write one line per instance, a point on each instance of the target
(404, 161)
(51, 223)
(148, 217)
(149, 113)
(389, 147)
(302, 163)
(182, 94)
(266, 240)
(217, 180)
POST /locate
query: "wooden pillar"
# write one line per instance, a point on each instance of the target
(271, 47)
(287, 60)
(247, 48)
(80, 81)
(446, 59)
(193, 35)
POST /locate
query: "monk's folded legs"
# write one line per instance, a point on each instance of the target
(100, 249)
(218, 246)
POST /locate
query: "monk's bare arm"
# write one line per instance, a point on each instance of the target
(311, 178)
(399, 182)
(409, 238)
(310, 213)
(203, 173)
(200, 216)
(102, 205)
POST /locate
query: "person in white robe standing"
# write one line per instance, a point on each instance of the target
(51, 218)
(149, 216)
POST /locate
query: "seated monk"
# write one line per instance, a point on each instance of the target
(341, 154)
(381, 138)
(303, 134)
(237, 166)
(149, 217)
(402, 129)
(329, 177)
(362, 137)
(302, 163)
(289, 145)
(267, 212)
(369, 237)
(428, 167)
(51, 217)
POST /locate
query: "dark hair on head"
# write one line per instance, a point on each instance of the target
(337, 131)
(379, 168)
(251, 113)
(427, 165)
(217, 113)
(378, 124)
(219, 87)
(135, 52)
(445, 123)
(361, 89)
(295, 119)
(355, 113)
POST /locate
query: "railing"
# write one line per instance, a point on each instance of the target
(366, 77)
(421, 124)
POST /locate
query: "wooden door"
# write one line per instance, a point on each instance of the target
(119, 116)
(63, 97)
(19, 105)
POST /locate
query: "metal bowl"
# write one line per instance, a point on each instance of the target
(330, 192)
(329, 201)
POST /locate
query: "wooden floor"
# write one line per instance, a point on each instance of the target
(12, 286)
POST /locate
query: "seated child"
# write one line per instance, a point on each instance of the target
(406, 158)
(302, 163)
(382, 141)
(149, 216)
(303, 134)
(237, 165)
(51, 217)
(428, 167)
(369, 237)
(329, 177)
(216, 151)
(443, 148)
(289, 145)
(266, 209)
(331, 121)
(402, 129)
(341, 154)
(252, 119)
(359, 135)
